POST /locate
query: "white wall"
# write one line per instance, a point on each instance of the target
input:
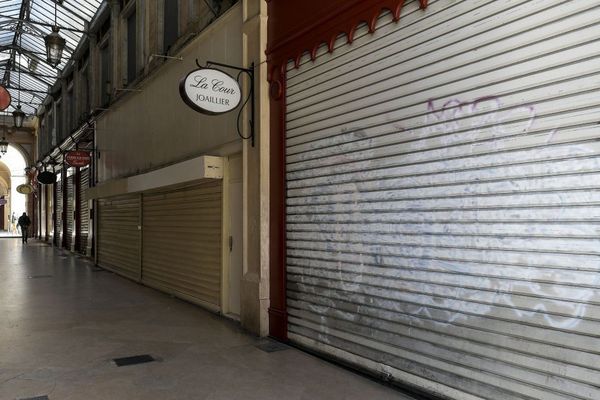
(14, 160)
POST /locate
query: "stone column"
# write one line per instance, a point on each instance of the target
(255, 281)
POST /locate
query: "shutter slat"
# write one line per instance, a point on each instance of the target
(119, 240)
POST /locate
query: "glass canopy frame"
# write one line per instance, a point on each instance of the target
(23, 26)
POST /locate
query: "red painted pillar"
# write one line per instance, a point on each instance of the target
(277, 233)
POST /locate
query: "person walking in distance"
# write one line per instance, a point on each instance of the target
(24, 223)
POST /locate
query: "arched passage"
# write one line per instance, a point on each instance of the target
(12, 174)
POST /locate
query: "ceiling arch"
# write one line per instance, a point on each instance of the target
(4, 179)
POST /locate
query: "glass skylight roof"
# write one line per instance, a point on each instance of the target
(23, 26)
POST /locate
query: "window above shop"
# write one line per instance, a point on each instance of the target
(170, 24)
(131, 51)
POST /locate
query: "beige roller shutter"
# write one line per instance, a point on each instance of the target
(443, 202)
(119, 236)
(182, 242)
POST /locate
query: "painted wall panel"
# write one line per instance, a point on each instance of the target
(154, 128)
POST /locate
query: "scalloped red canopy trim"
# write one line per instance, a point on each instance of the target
(299, 27)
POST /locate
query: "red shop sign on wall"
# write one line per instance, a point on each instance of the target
(78, 158)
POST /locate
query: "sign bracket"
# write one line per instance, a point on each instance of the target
(250, 73)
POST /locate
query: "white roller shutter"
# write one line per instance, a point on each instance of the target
(443, 211)
(182, 242)
(119, 235)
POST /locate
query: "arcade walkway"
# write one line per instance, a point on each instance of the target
(63, 321)
(7, 234)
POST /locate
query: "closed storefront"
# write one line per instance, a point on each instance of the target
(70, 212)
(43, 224)
(441, 194)
(48, 211)
(84, 211)
(58, 210)
(182, 242)
(119, 235)
(169, 239)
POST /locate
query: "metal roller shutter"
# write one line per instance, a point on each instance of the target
(70, 199)
(119, 236)
(183, 244)
(84, 210)
(442, 199)
(49, 210)
(43, 207)
(58, 210)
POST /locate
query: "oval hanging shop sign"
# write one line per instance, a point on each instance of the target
(210, 91)
(78, 158)
(46, 178)
(25, 189)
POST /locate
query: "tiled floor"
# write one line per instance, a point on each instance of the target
(62, 321)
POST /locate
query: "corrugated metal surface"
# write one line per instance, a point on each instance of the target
(58, 210)
(70, 199)
(443, 205)
(43, 196)
(182, 242)
(49, 210)
(84, 210)
(119, 236)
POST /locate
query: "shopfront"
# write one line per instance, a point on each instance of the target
(437, 200)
